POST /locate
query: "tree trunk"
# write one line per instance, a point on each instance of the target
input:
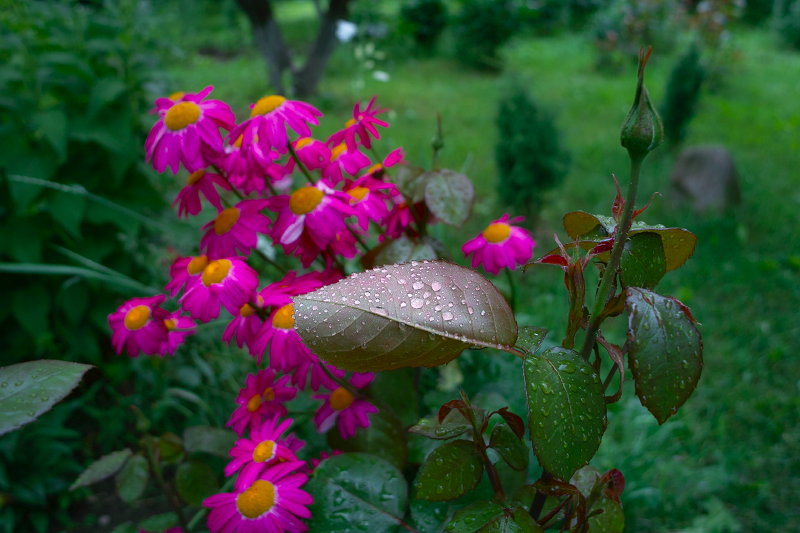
(269, 40)
(307, 78)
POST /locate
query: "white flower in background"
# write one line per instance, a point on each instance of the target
(345, 30)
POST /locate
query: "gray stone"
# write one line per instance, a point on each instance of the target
(705, 178)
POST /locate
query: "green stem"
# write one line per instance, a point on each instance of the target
(297, 161)
(172, 498)
(512, 287)
(610, 273)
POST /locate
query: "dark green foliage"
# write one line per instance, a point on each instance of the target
(757, 11)
(789, 25)
(681, 95)
(424, 20)
(529, 155)
(482, 28)
(552, 15)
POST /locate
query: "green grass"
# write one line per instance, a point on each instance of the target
(729, 461)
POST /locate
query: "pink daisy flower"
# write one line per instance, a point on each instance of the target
(316, 211)
(251, 169)
(188, 199)
(368, 197)
(360, 127)
(398, 219)
(352, 412)
(272, 504)
(262, 397)
(138, 326)
(500, 245)
(344, 159)
(395, 157)
(264, 448)
(229, 282)
(235, 229)
(178, 328)
(187, 132)
(280, 292)
(269, 118)
(312, 153)
(245, 327)
(183, 270)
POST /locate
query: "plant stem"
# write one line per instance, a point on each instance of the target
(172, 498)
(202, 512)
(538, 501)
(620, 236)
(297, 161)
(512, 287)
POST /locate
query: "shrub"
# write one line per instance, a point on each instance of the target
(757, 11)
(529, 156)
(424, 20)
(482, 28)
(682, 94)
(789, 25)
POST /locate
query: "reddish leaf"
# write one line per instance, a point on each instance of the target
(615, 484)
(515, 422)
(445, 409)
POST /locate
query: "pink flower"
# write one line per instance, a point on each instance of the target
(246, 327)
(361, 126)
(377, 170)
(351, 411)
(262, 397)
(187, 132)
(269, 118)
(344, 159)
(280, 292)
(368, 197)
(274, 503)
(398, 219)
(178, 328)
(500, 245)
(183, 270)
(314, 211)
(264, 448)
(315, 462)
(138, 326)
(188, 200)
(250, 168)
(235, 229)
(312, 153)
(229, 282)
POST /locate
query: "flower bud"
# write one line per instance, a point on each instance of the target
(642, 130)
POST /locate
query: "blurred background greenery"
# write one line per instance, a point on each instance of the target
(85, 224)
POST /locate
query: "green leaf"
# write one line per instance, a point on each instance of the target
(490, 517)
(410, 181)
(32, 307)
(531, 338)
(611, 520)
(29, 389)
(415, 314)
(429, 517)
(195, 481)
(103, 468)
(132, 479)
(643, 263)
(509, 446)
(105, 91)
(384, 437)
(453, 425)
(449, 196)
(52, 126)
(216, 441)
(666, 351)
(159, 522)
(403, 250)
(566, 410)
(356, 492)
(67, 210)
(396, 389)
(451, 470)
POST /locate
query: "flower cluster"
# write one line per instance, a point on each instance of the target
(262, 185)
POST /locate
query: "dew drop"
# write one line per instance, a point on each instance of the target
(470, 310)
(447, 315)
(435, 286)
(417, 285)
(416, 303)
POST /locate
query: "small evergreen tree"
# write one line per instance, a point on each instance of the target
(681, 96)
(424, 20)
(482, 27)
(529, 155)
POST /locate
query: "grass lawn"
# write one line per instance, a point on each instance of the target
(730, 459)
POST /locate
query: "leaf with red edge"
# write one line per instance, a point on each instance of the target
(514, 421)
(617, 355)
(445, 409)
(615, 484)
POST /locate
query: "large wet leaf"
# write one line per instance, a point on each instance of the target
(29, 389)
(666, 351)
(491, 517)
(450, 471)
(566, 410)
(414, 314)
(356, 492)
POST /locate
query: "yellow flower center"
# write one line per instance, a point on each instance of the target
(341, 398)
(264, 451)
(284, 317)
(195, 176)
(238, 142)
(247, 310)
(497, 232)
(302, 143)
(181, 115)
(375, 168)
(338, 151)
(225, 220)
(349, 123)
(196, 265)
(254, 403)
(358, 194)
(170, 323)
(268, 394)
(267, 104)
(137, 317)
(256, 500)
(216, 271)
(177, 95)
(305, 199)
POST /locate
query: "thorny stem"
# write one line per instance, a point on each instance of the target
(620, 236)
(297, 161)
